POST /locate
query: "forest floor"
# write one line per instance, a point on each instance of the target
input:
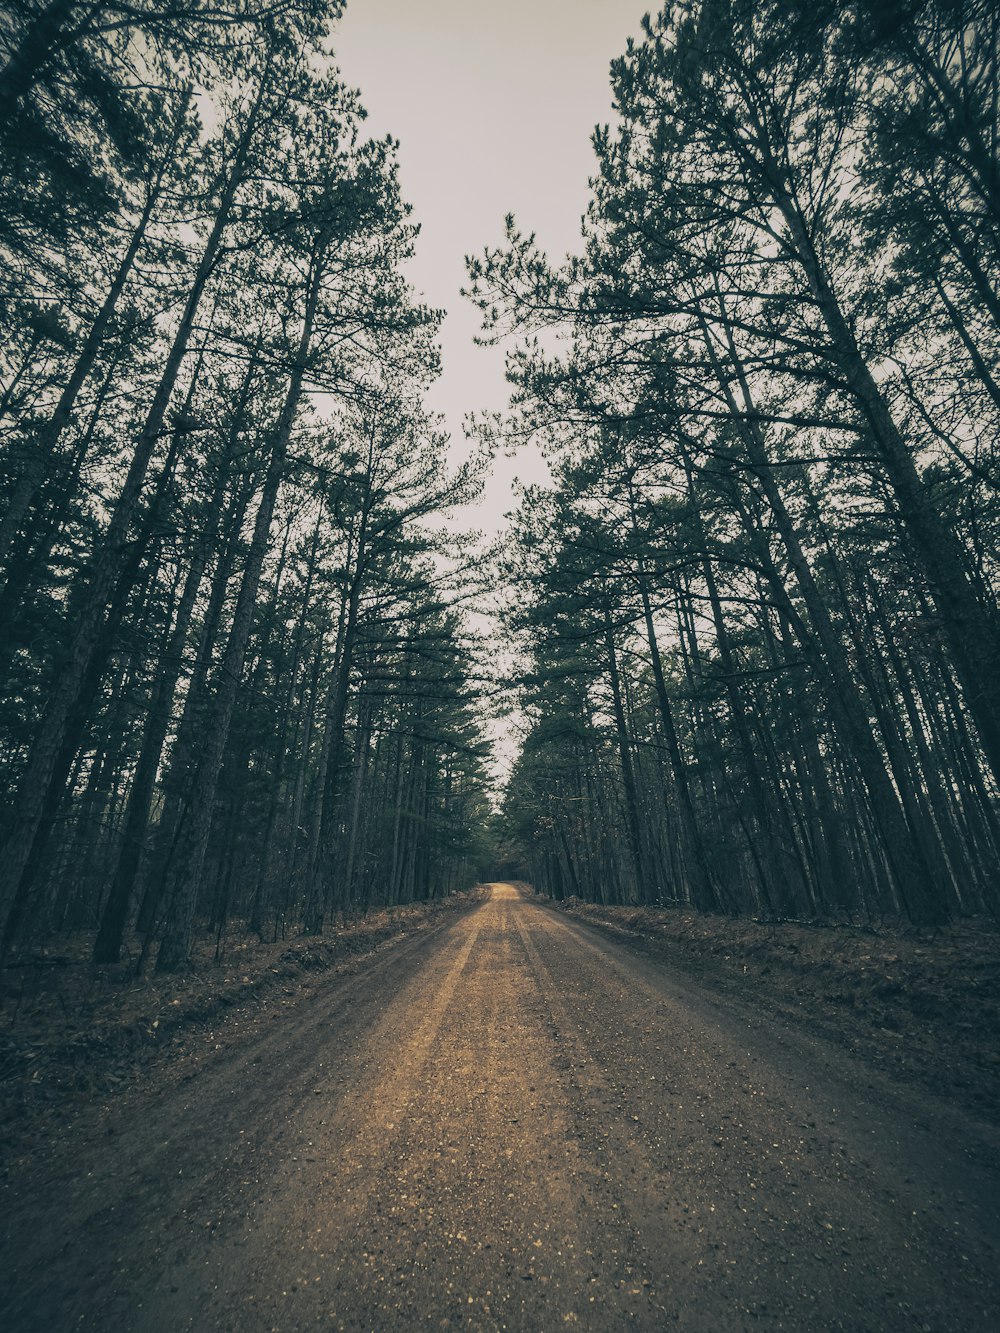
(71, 1032)
(510, 1120)
(923, 1006)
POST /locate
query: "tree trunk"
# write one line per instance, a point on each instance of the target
(36, 466)
(175, 946)
(970, 629)
(108, 565)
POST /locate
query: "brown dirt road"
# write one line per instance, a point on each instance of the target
(512, 1122)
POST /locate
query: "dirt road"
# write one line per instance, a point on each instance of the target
(512, 1122)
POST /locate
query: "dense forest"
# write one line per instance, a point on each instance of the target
(418, 915)
(754, 616)
(757, 610)
(238, 682)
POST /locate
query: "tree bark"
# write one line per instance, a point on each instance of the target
(176, 942)
(109, 561)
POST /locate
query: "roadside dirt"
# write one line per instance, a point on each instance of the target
(70, 1032)
(511, 1121)
(923, 1007)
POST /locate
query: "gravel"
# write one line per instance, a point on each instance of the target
(511, 1121)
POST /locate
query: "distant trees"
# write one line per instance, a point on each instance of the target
(763, 599)
(234, 686)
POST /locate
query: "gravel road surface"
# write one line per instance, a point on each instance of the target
(512, 1122)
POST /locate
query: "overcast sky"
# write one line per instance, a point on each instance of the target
(493, 102)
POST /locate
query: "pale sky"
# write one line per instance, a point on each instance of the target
(493, 102)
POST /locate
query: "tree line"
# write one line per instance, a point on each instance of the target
(757, 611)
(239, 683)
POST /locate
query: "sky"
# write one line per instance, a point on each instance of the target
(493, 102)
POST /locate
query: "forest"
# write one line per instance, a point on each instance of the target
(758, 606)
(416, 916)
(238, 682)
(756, 647)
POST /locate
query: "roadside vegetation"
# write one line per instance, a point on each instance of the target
(239, 690)
(757, 610)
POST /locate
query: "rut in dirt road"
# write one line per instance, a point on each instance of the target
(512, 1123)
